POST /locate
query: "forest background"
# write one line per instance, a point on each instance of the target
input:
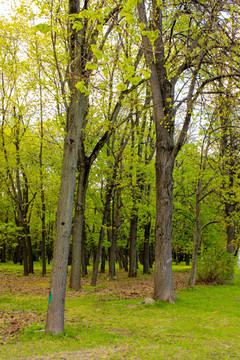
(94, 64)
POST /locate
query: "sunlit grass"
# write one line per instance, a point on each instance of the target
(202, 324)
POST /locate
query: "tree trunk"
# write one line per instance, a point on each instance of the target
(133, 245)
(119, 258)
(103, 260)
(43, 242)
(29, 249)
(146, 252)
(78, 223)
(162, 96)
(55, 315)
(75, 117)
(231, 241)
(84, 255)
(24, 253)
(101, 236)
(112, 250)
(197, 236)
(187, 259)
(3, 251)
(43, 205)
(163, 284)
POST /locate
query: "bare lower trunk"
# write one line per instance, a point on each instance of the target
(3, 252)
(75, 278)
(163, 284)
(83, 254)
(24, 255)
(43, 241)
(103, 260)
(101, 237)
(29, 249)
(231, 241)
(133, 246)
(197, 236)
(55, 315)
(112, 250)
(146, 265)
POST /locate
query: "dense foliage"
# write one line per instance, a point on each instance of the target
(118, 136)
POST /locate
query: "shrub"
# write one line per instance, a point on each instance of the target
(216, 265)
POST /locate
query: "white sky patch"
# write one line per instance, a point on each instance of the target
(6, 6)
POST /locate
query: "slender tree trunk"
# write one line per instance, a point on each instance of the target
(75, 278)
(29, 249)
(24, 252)
(43, 205)
(84, 255)
(197, 235)
(133, 244)
(43, 242)
(3, 251)
(119, 258)
(103, 260)
(55, 316)
(146, 250)
(187, 259)
(101, 236)
(230, 210)
(76, 115)
(112, 250)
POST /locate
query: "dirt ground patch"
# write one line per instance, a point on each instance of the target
(94, 354)
(12, 322)
(122, 287)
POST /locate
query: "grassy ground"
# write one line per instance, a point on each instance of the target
(107, 322)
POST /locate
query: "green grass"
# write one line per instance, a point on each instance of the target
(204, 323)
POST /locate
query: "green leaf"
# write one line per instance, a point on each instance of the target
(43, 28)
(91, 66)
(121, 87)
(82, 88)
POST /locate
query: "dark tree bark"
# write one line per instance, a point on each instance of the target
(133, 244)
(146, 249)
(84, 252)
(3, 251)
(103, 260)
(84, 168)
(113, 247)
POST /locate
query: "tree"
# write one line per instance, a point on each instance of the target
(75, 118)
(170, 60)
